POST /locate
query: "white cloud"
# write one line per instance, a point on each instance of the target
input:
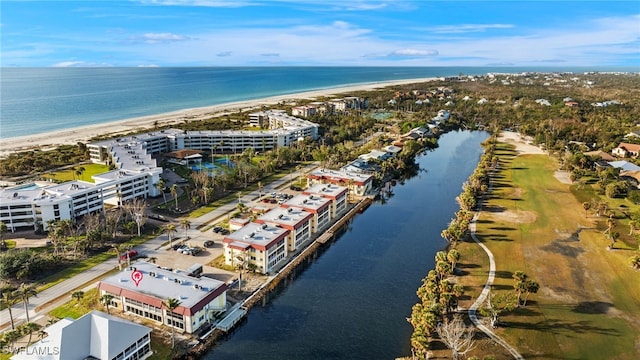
(224, 53)
(148, 66)
(155, 38)
(413, 53)
(466, 28)
(80, 64)
(203, 3)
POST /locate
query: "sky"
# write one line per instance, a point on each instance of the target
(319, 33)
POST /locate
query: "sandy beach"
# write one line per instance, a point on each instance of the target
(50, 140)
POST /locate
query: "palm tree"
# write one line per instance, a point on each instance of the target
(77, 295)
(170, 229)
(9, 299)
(106, 301)
(171, 304)
(453, 256)
(186, 225)
(586, 205)
(174, 193)
(42, 334)
(30, 328)
(160, 186)
(260, 190)
(24, 293)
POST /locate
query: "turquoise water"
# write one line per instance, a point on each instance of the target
(38, 100)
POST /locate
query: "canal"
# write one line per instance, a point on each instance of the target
(352, 300)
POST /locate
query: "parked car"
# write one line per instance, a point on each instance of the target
(130, 254)
(196, 250)
(224, 232)
(209, 243)
(217, 229)
(180, 247)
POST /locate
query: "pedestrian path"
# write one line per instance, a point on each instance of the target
(48, 299)
(473, 310)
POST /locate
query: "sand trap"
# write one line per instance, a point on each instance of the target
(523, 144)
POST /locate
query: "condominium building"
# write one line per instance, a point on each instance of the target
(261, 246)
(297, 221)
(200, 298)
(337, 194)
(358, 184)
(319, 206)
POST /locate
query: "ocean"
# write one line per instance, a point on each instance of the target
(40, 100)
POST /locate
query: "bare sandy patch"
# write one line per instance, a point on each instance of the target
(514, 216)
(563, 177)
(523, 144)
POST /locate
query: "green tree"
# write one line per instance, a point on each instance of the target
(495, 305)
(170, 229)
(7, 300)
(586, 206)
(24, 293)
(453, 256)
(30, 328)
(3, 230)
(186, 225)
(171, 304)
(106, 301)
(77, 295)
(174, 193)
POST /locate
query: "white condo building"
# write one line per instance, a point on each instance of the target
(136, 172)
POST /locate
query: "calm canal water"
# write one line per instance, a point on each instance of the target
(353, 300)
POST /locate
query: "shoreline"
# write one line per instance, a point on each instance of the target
(50, 140)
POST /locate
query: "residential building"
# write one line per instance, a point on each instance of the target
(95, 335)
(624, 165)
(337, 194)
(358, 184)
(304, 110)
(199, 298)
(361, 166)
(319, 206)
(626, 150)
(261, 246)
(297, 221)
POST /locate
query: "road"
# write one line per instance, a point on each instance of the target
(48, 299)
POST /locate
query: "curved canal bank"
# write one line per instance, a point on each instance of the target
(351, 299)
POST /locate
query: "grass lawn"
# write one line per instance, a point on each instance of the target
(70, 174)
(75, 309)
(588, 306)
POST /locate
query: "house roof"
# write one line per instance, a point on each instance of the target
(185, 154)
(624, 165)
(601, 154)
(629, 147)
(95, 334)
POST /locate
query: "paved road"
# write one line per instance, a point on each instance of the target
(60, 293)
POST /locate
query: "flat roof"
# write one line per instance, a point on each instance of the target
(258, 235)
(328, 190)
(286, 217)
(165, 284)
(337, 175)
(310, 202)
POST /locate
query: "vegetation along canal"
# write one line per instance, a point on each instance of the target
(353, 300)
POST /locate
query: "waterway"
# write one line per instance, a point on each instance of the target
(352, 300)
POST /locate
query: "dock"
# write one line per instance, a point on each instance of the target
(235, 315)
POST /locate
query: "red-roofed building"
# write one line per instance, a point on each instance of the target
(199, 298)
(626, 150)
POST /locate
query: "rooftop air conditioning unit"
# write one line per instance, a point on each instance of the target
(177, 281)
(196, 286)
(264, 226)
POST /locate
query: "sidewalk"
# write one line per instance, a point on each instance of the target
(61, 293)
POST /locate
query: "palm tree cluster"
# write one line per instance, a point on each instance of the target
(524, 286)
(438, 298)
(10, 296)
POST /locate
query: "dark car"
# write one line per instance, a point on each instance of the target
(217, 229)
(209, 243)
(196, 250)
(224, 232)
(130, 254)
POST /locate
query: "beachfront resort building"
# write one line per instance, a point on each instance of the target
(200, 298)
(358, 184)
(259, 246)
(95, 335)
(297, 221)
(136, 173)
